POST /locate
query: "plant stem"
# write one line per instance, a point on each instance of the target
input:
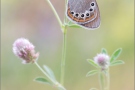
(101, 80)
(63, 57)
(55, 13)
(63, 49)
(108, 80)
(54, 82)
(64, 30)
(65, 18)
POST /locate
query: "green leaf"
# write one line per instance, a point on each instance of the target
(49, 72)
(115, 55)
(90, 73)
(42, 80)
(104, 51)
(92, 63)
(117, 62)
(70, 24)
(93, 89)
(73, 25)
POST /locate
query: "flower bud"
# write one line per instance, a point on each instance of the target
(25, 50)
(103, 60)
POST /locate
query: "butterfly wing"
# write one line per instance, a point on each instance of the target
(84, 12)
(94, 23)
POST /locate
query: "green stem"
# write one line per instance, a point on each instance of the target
(108, 80)
(54, 82)
(55, 13)
(64, 29)
(63, 57)
(63, 49)
(101, 80)
(65, 18)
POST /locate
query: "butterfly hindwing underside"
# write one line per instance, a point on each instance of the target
(84, 12)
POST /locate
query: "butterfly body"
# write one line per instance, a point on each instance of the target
(84, 12)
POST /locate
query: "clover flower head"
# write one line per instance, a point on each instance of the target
(25, 50)
(103, 60)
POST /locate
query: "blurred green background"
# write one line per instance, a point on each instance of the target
(34, 20)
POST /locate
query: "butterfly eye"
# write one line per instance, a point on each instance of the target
(92, 4)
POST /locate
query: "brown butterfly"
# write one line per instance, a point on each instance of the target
(84, 13)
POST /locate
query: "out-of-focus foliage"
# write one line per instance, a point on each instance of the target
(34, 20)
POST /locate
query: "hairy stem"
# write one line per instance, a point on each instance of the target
(55, 13)
(64, 30)
(63, 57)
(108, 80)
(63, 49)
(54, 82)
(101, 80)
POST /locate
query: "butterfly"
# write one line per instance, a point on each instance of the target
(85, 13)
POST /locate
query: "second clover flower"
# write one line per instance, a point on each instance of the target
(102, 60)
